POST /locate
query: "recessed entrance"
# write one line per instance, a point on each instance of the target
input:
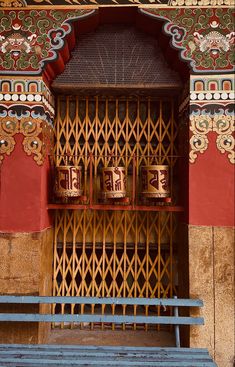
(127, 120)
(116, 253)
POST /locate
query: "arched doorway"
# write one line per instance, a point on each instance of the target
(117, 100)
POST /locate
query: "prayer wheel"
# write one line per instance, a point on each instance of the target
(155, 181)
(113, 182)
(68, 181)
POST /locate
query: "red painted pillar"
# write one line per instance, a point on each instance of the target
(211, 212)
(211, 188)
(211, 150)
(26, 238)
(23, 192)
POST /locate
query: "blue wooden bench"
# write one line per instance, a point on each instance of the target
(73, 355)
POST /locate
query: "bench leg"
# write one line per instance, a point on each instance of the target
(177, 328)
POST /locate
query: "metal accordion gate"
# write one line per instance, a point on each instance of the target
(112, 252)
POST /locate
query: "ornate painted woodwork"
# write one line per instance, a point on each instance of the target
(222, 125)
(91, 3)
(205, 37)
(27, 108)
(37, 135)
(38, 41)
(30, 39)
(212, 110)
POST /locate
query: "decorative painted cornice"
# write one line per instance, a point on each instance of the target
(20, 93)
(30, 39)
(212, 110)
(205, 37)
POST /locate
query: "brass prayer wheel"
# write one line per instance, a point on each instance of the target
(155, 181)
(113, 182)
(68, 181)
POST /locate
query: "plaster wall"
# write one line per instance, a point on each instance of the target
(211, 278)
(25, 269)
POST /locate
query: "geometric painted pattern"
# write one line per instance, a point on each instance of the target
(29, 91)
(212, 110)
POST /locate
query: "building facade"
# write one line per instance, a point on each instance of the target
(83, 81)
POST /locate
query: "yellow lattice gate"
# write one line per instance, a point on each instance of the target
(108, 249)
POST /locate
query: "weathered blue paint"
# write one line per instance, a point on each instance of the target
(74, 354)
(106, 357)
(100, 348)
(177, 329)
(117, 319)
(104, 363)
(109, 349)
(61, 355)
(99, 301)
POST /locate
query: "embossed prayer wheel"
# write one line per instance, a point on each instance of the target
(155, 181)
(68, 181)
(113, 182)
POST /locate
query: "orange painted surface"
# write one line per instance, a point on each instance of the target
(211, 188)
(23, 192)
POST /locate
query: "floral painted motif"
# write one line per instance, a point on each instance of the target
(8, 128)
(222, 125)
(200, 126)
(204, 36)
(156, 3)
(30, 39)
(37, 136)
(12, 3)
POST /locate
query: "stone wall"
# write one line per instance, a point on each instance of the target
(211, 278)
(25, 269)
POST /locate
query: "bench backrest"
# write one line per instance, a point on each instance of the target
(92, 317)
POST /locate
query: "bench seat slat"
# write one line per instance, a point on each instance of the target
(166, 320)
(100, 301)
(104, 363)
(103, 348)
(105, 354)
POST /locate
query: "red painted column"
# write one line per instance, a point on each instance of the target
(23, 192)
(211, 188)
(211, 212)
(211, 150)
